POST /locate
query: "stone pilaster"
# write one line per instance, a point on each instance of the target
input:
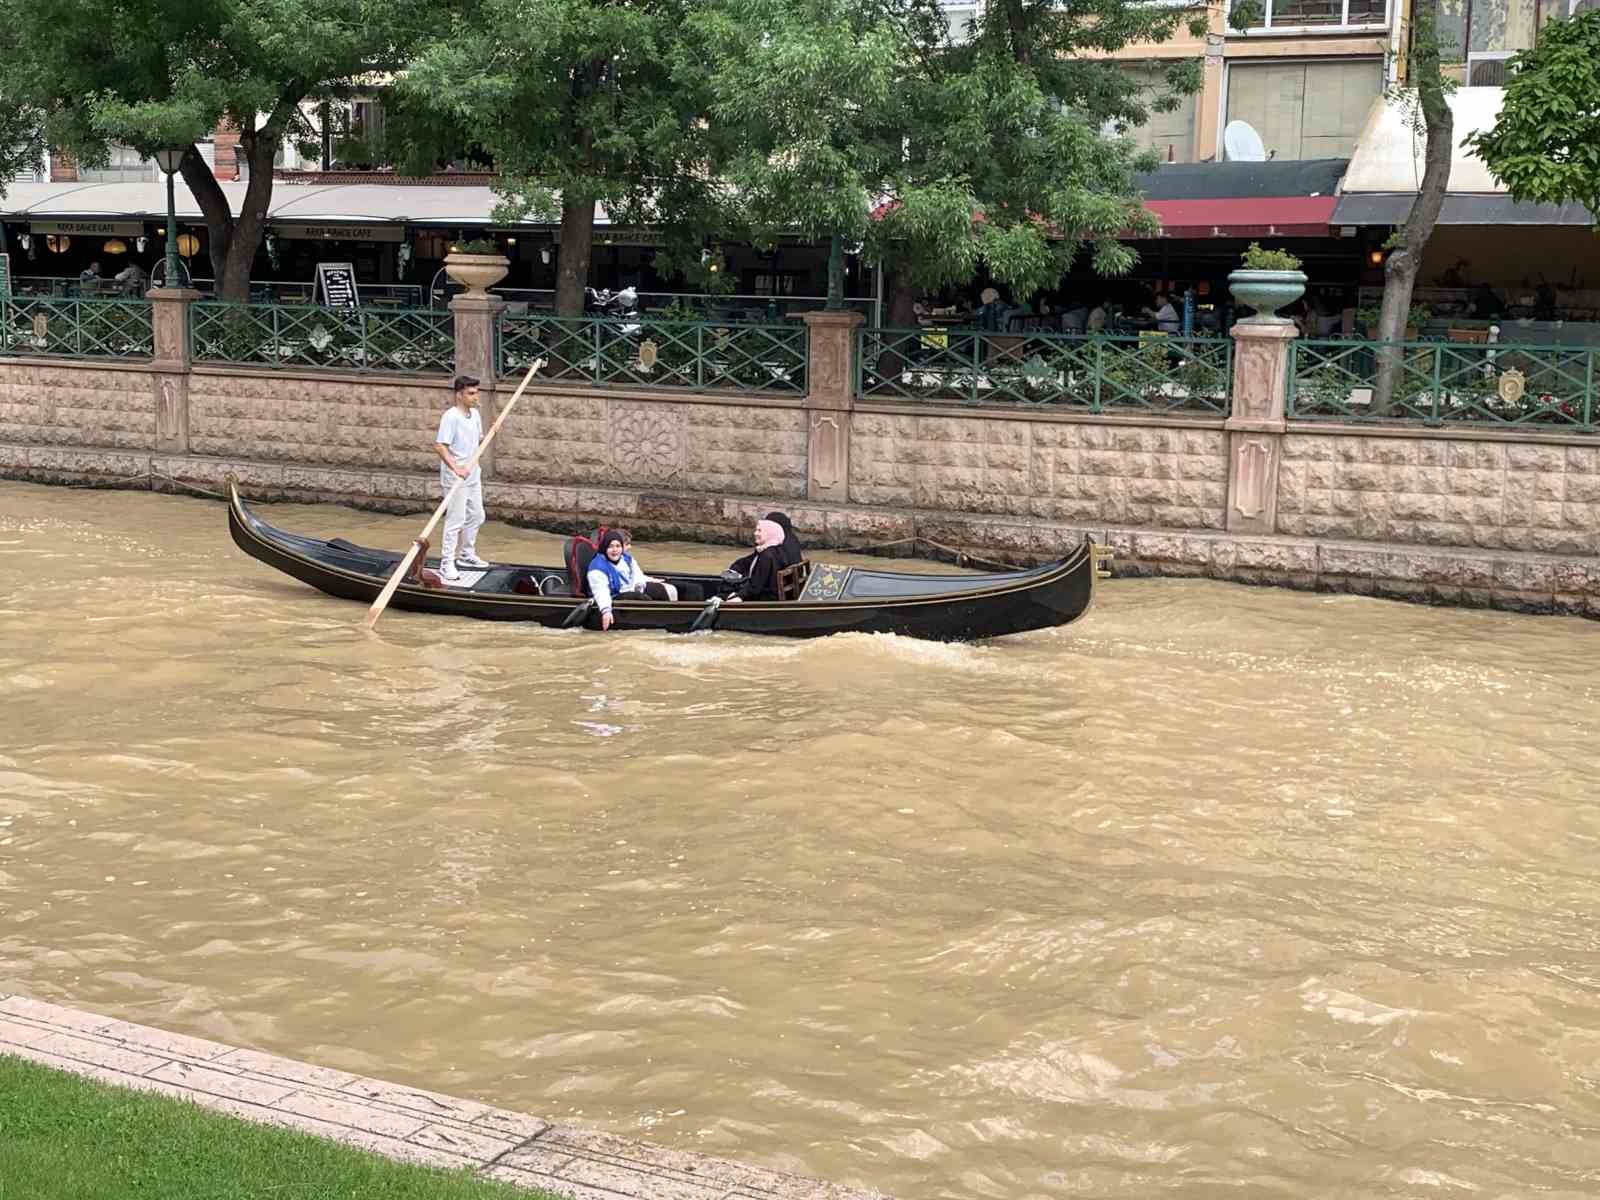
(169, 323)
(830, 397)
(477, 318)
(1255, 430)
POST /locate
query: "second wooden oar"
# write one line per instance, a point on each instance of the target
(382, 602)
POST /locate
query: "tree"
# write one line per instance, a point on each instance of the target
(1546, 145)
(1432, 109)
(867, 121)
(178, 69)
(580, 103)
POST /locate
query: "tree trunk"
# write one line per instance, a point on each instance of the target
(902, 315)
(1405, 261)
(234, 241)
(214, 209)
(577, 247)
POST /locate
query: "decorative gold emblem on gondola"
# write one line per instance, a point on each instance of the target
(1512, 385)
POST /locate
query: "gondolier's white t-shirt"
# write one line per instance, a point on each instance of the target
(460, 432)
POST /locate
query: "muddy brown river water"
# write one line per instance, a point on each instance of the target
(1220, 891)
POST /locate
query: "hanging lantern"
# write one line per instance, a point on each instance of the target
(57, 243)
(188, 245)
(114, 246)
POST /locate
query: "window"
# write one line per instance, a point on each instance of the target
(1488, 69)
(958, 16)
(124, 166)
(1305, 109)
(1472, 29)
(1169, 133)
(1292, 16)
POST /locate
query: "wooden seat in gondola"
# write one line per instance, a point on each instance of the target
(792, 579)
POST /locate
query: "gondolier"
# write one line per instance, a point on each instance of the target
(460, 431)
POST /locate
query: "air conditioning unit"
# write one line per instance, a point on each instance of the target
(1488, 68)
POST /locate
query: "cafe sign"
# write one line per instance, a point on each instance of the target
(90, 228)
(340, 233)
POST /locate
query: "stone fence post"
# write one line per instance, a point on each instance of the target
(477, 322)
(830, 397)
(1255, 430)
(169, 325)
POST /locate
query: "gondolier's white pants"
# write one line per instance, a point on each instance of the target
(462, 520)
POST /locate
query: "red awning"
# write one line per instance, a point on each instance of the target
(1253, 216)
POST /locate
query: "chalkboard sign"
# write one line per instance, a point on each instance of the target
(5, 276)
(337, 282)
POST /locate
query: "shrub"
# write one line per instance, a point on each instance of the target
(1257, 259)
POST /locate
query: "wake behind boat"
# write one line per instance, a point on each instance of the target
(828, 599)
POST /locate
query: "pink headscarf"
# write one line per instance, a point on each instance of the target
(768, 534)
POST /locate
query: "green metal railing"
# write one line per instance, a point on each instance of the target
(1101, 373)
(1441, 383)
(412, 341)
(702, 355)
(76, 328)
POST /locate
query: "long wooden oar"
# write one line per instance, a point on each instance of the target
(382, 602)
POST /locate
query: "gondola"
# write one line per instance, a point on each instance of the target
(833, 599)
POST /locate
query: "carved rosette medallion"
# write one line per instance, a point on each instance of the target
(648, 443)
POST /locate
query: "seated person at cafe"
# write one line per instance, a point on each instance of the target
(992, 312)
(760, 566)
(613, 575)
(1095, 322)
(1486, 304)
(1164, 314)
(131, 278)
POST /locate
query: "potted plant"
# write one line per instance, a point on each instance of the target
(1367, 319)
(1268, 280)
(477, 265)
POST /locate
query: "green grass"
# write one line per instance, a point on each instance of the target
(63, 1137)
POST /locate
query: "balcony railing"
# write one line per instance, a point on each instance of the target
(646, 352)
(76, 328)
(419, 341)
(1101, 373)
(1439, 383)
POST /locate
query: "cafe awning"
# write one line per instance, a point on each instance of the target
(1244, 199)
(348, 204)
(1386, 170)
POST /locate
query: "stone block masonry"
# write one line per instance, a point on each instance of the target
(399, 1122)
(1458, 515)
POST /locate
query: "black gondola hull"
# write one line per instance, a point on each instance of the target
(944, 608)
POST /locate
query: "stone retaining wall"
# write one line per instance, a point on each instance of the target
(1462, 515)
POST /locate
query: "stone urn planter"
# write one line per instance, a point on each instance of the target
(476, 272)
(1267, 292)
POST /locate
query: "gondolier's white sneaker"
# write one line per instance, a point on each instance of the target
(471, 560)
(448, 572)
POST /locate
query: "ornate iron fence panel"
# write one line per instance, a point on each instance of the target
(1102, 373)
(409, 341)
(73, 328)
(1440, 383)
(645, 352)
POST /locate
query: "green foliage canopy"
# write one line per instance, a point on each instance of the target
(1546, 145)
(938, 153)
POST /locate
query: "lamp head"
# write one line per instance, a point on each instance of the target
(170, 158)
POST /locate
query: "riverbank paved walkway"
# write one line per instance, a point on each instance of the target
(385, 1118)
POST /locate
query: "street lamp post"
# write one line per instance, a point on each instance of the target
(169, 160)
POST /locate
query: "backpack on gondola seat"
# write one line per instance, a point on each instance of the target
(578, 553)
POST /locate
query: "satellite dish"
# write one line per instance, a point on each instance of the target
(1241, 143)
